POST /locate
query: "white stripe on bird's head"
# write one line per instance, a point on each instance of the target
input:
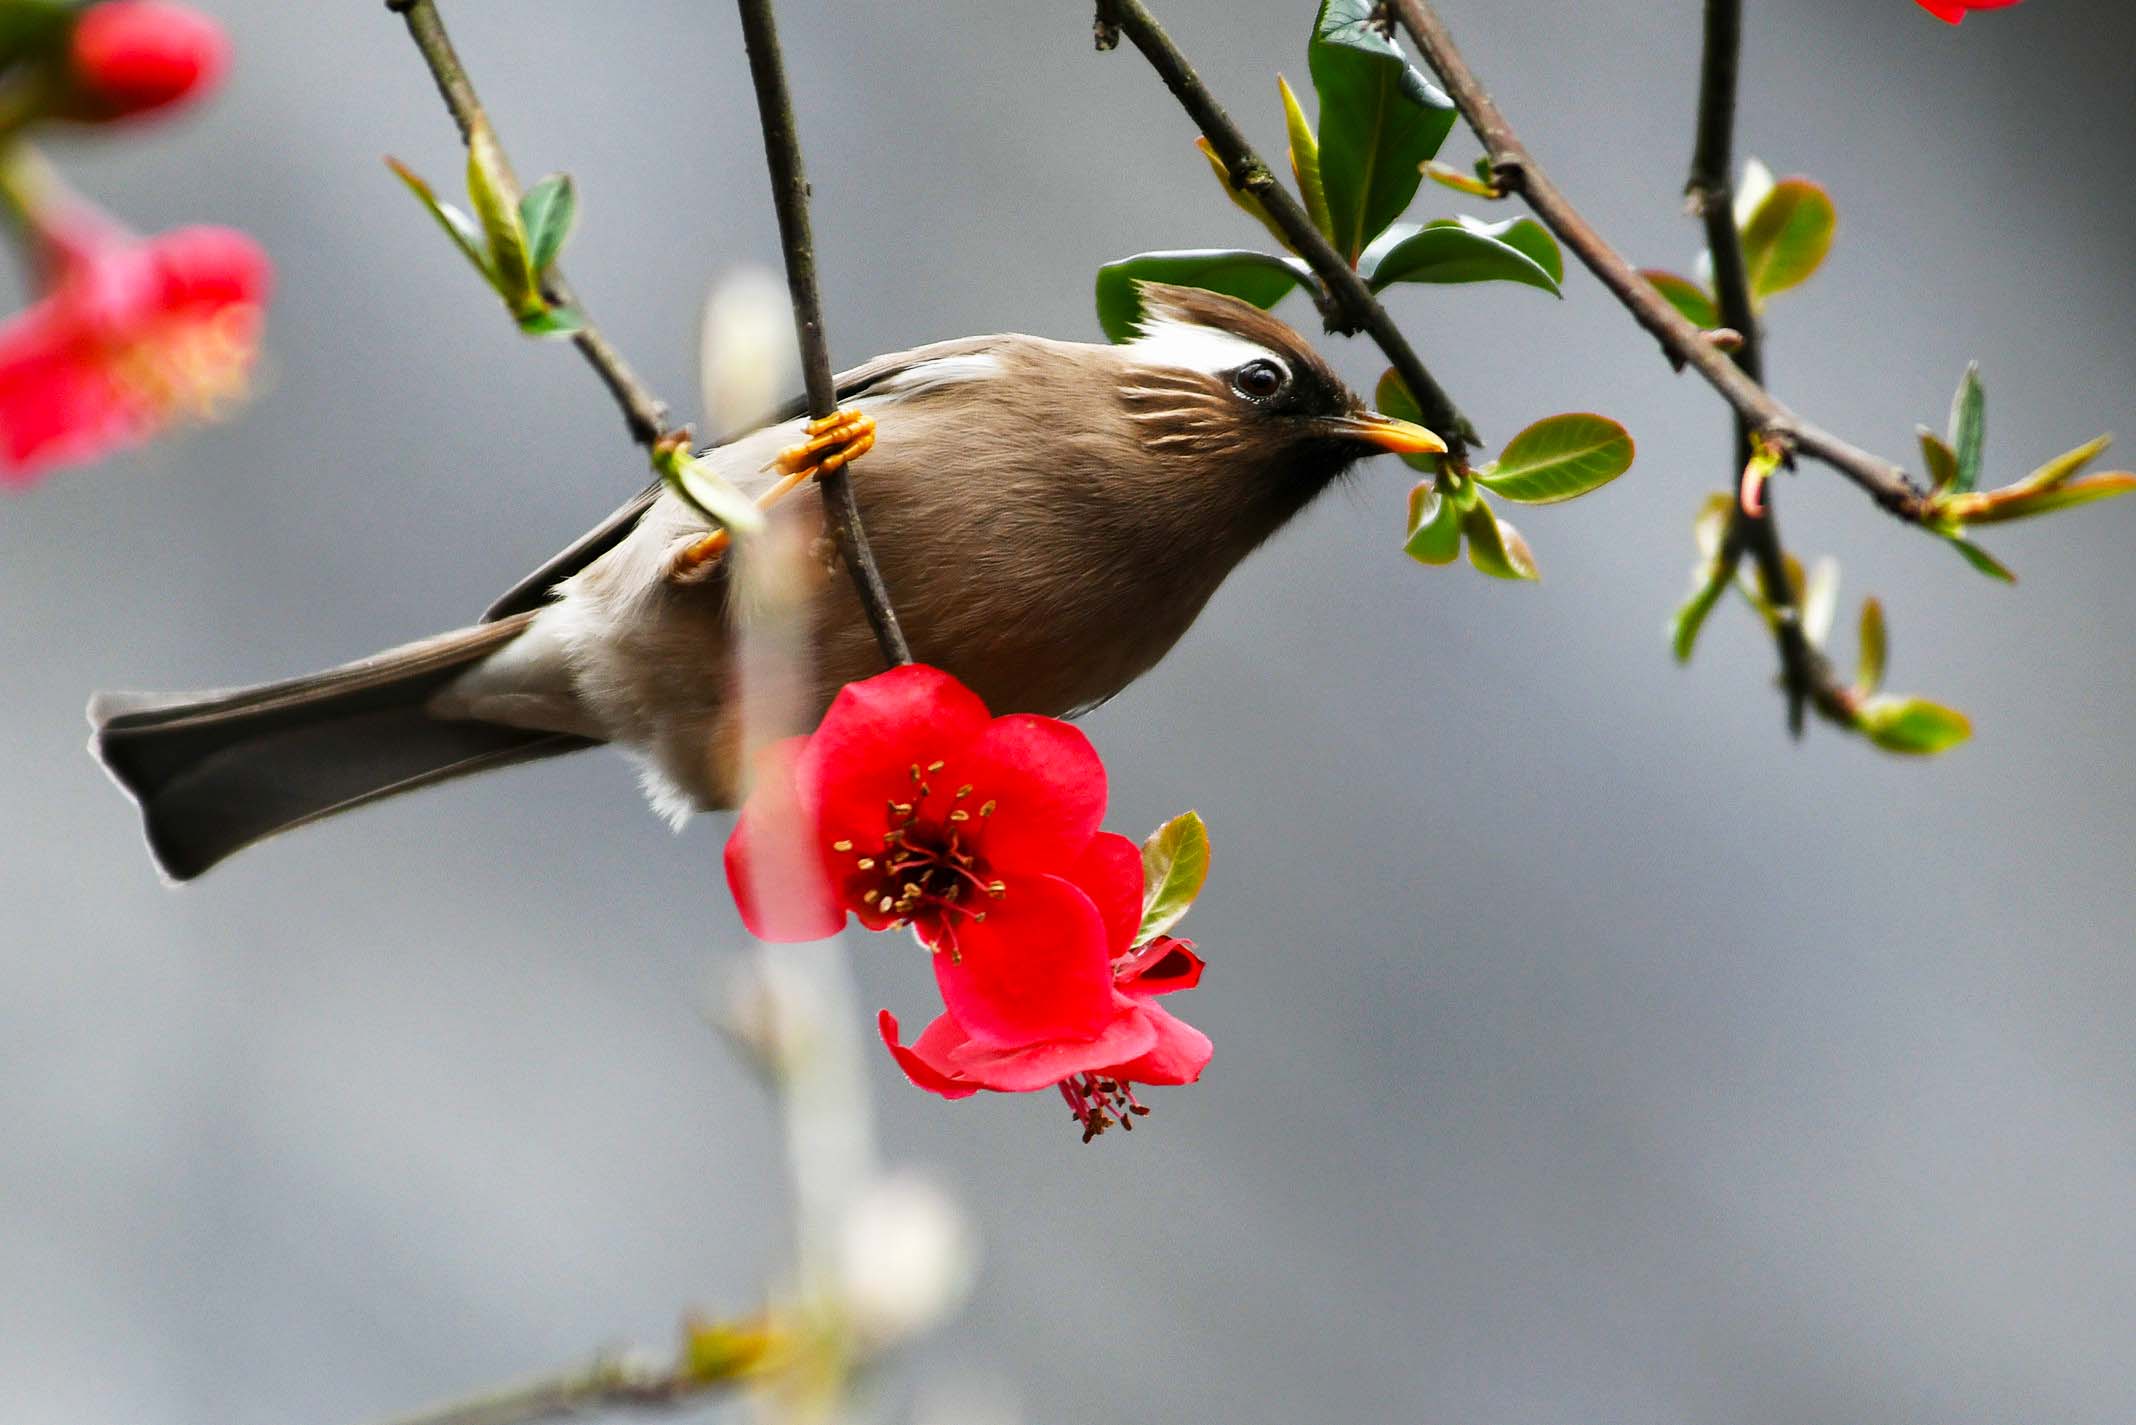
(1165, 341)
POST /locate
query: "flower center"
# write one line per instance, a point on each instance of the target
(1099, 1102)
(929, 872)
(193, 364)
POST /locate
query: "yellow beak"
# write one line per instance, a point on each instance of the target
(1401, 437)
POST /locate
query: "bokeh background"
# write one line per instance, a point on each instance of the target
(1586, 1051)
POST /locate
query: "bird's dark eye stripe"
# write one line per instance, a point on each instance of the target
(1260, 379)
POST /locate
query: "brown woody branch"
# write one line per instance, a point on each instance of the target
(645, 414)
(789, 192)
(1805, 672)
(1515, 170)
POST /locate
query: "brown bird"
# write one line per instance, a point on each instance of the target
(1049, 518)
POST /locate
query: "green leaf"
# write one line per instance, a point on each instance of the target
(2103, 486)
(1494, 546)
(1305, 160)
(457, 225)
(1526, 235)
(489, 188)
(1686, 296)
(1175, 862)
(1434, 526)
(1941, 462)
(1257, 277)
(1913, 726)
(1248, 203)
(547, 212)
(1969, 430)
(1869, 671)
(1979, 558)
(2051, 487)
(1690, 616)
(1380, 122)
(552, 321)
(33, 26)
(1477, 185)
(1393, 399)
(2058, 470)
(1451, 252)
(701, 486)
(1710, 527)
(1558, 458)
(1787, 237)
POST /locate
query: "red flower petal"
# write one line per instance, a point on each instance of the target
(132, 332)
(861, 758)
(1955, 10)
(1110, 873)
(1160, 967)
(1034, 970)
(58, 402)
(130, 56)
(208, 267)
(932, 1047)
(1131, 1033)
(1178, 1056)
(1048, 790)
(774, 863)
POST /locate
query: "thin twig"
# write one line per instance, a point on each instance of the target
(789, 191)
(1515, 170)
(645, 414)
(1712, 193)
(1250, 174)
(608, 1381)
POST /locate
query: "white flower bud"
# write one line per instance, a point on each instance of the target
(907, 1261)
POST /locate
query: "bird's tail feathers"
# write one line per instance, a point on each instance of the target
(214, 772)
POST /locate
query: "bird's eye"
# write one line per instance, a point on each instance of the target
(1260, 380)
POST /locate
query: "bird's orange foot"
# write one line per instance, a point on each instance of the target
(835, 441)
(694, 560)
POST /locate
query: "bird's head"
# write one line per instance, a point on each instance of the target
(1220, 385)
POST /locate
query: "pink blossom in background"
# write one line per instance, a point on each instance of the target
(132, 334)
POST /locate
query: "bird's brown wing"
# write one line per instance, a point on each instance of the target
(533, 591)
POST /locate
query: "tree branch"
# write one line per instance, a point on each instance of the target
(1712, 193)
(644, 414)
(1250, 174)
(789, 191)
(1516, 170)
(608, 1381)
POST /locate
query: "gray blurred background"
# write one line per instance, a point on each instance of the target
(1586, 1051)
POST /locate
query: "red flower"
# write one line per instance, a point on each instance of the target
(1954, 10)
(130, 56)
(1139, 1044)
(979, 833)
(132, 333)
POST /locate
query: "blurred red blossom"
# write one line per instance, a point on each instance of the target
(1140, 1043)
(979, 833)
(131, 334)
(129, 57)
(1954, 10)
